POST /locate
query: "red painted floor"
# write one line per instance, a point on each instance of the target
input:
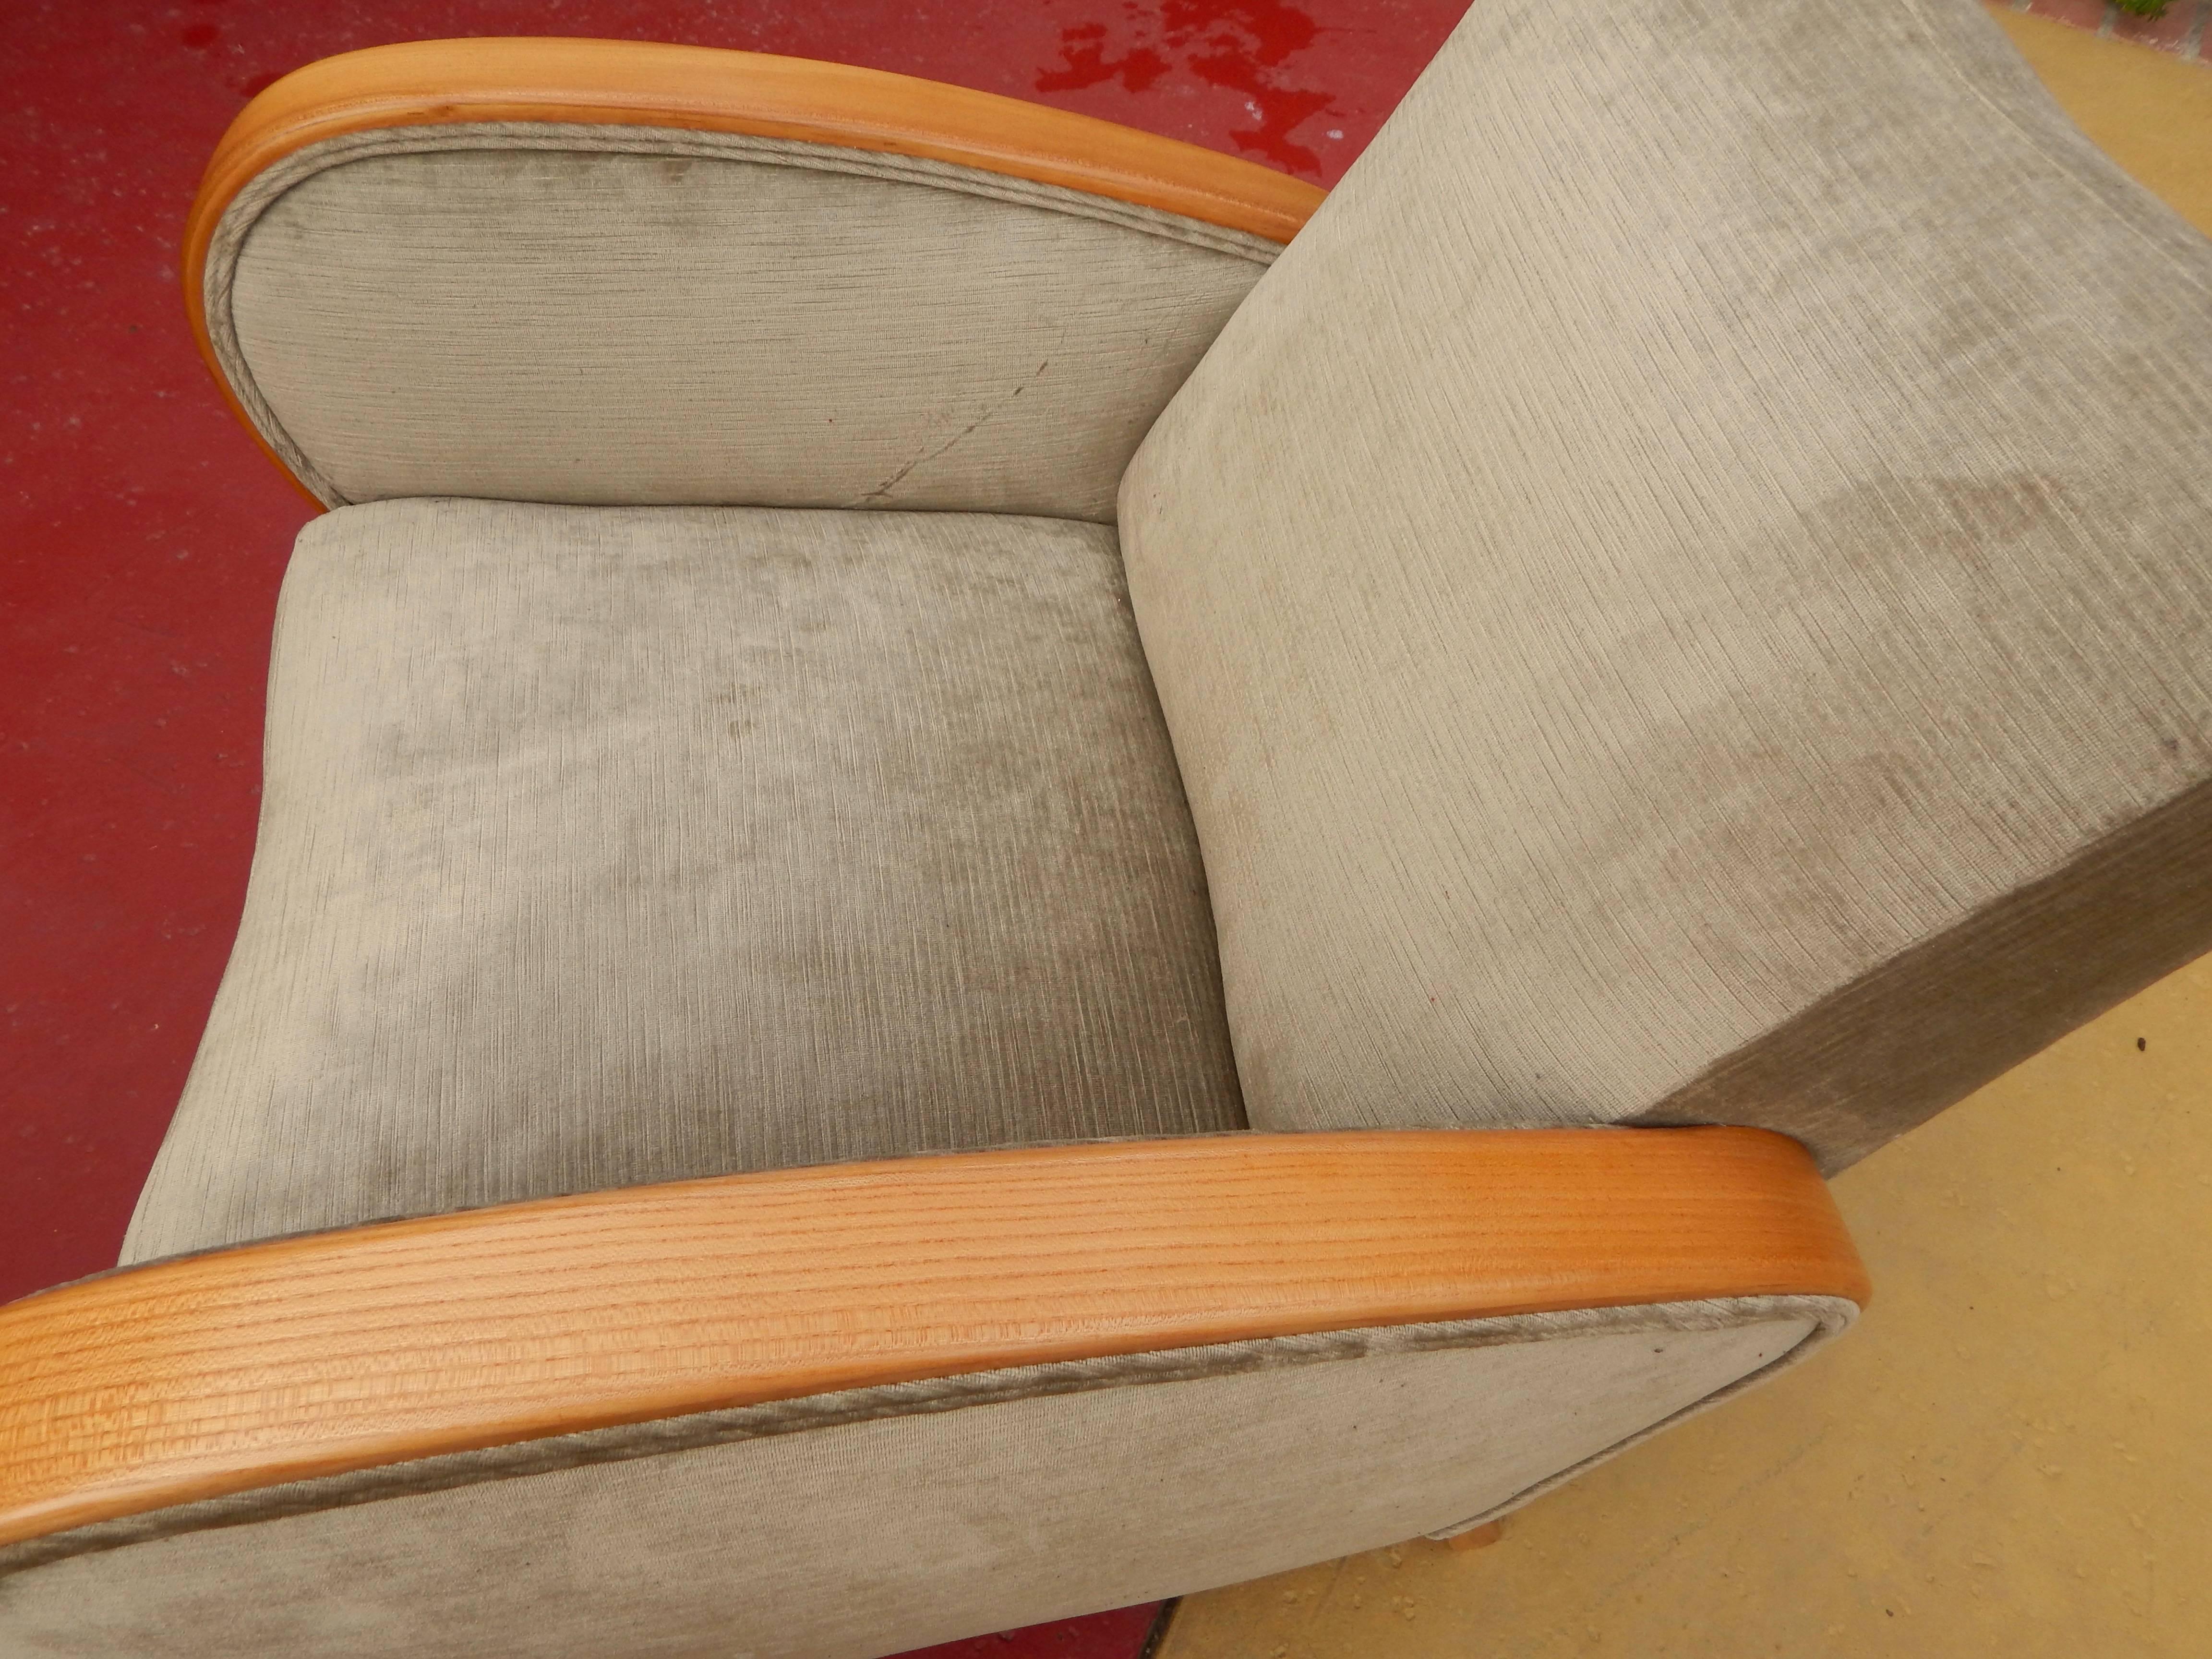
(1118, 1635)
(143, 536)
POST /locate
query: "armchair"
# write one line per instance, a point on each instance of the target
(1003, 871)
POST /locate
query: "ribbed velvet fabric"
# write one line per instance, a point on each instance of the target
(624, 315)
(607, 846)
(895, 1529)
(1684, 595)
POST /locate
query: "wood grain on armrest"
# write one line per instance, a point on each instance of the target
(370, 1346)
(642, 83)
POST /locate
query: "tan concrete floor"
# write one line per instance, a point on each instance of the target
(2012, 1454)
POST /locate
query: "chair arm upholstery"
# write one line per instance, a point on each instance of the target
(287, 1359)
(497, 268)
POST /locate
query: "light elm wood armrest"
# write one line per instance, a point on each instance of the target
(334, 1352)
(1050, 302)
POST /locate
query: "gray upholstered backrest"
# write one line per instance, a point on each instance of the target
(625, 316)
(1687, 592)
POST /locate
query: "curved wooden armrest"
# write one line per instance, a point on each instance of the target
(644, 84)
(332, 1351)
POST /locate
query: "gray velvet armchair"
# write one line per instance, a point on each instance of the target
(1003, 870)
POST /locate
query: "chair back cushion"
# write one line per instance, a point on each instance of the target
(1684, 594)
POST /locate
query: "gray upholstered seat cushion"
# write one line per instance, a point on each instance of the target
(1686, 593)
(603, 846)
